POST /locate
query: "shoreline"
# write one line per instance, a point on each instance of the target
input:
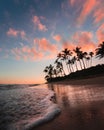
(85, 81)
(60, 122)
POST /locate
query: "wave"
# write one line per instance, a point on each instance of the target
(31, 106)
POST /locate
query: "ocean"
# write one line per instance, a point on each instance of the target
(23, 107)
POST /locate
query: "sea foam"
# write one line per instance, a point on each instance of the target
(26, 107)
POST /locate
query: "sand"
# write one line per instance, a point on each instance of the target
(85, 118)
(87, 81)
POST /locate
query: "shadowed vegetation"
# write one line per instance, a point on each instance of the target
(77, 64)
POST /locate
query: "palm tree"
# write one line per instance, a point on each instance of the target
(46, 73)
(66, 57)
(55, 73)
(87, 63)
(58, 62)
(78, 52)
(59, 68)
(46, 69)
(91, 55)
(49, 72)
(74, 61)
(70, 65)
(100, 50)
(84, 54)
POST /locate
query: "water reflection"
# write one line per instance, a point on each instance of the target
(77, 96)
(82, 106)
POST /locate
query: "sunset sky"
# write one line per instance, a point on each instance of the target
(32, 32)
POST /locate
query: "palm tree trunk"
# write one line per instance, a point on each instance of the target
(91, 62)
(72, 68)
(67, 66)
(86, 63)
(64, 72)
(76, 66)
(83, 64)
(80, 64)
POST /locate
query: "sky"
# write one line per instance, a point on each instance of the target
(33, 32)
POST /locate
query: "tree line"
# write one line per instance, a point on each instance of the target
(73, 61)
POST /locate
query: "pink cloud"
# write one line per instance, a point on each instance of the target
(84, 40)
(100, 33)
(40, 49)
(72, 2)
(0, 49)
(15, 33)
(87, 7)
(22, 34)
(57, 37)
(80, 39)
(68, 44)
(44, 44)
(38, 24)
(12, 32)
(99, 12)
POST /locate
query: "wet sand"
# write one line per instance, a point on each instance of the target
(81, 103)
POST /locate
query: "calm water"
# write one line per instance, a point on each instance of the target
(82, 108)
(22, 106)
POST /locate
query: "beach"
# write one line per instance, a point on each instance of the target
(81, 103)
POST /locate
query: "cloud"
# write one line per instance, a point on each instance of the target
(87, 7)
(99, 12)
(41, 49)
(0, 49)
(81, 39)
(26, 52)
(72, 2)
(84, 40)
(57, 37)
(38, 24)
(45, 45)
(100, 33)
(14, 33)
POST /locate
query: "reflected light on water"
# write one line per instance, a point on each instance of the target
(77, 96)
(82, 107)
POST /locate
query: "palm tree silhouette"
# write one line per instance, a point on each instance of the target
(59, 68)
(66, 57)
(91, 55)
(87, 61)
(83, 56)
(78, 52)
(58, 62)
(100, 50)
(49, 72)
(74, 61)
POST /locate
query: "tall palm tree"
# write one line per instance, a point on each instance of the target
(70, 65)
(59, 68)
(59, 59)
(78, 52)
(49, 72)
(58, 62)
(74, 61)
(84, 54)
(91, 55)
(100, 50)
(66, 57)
(87, 61)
